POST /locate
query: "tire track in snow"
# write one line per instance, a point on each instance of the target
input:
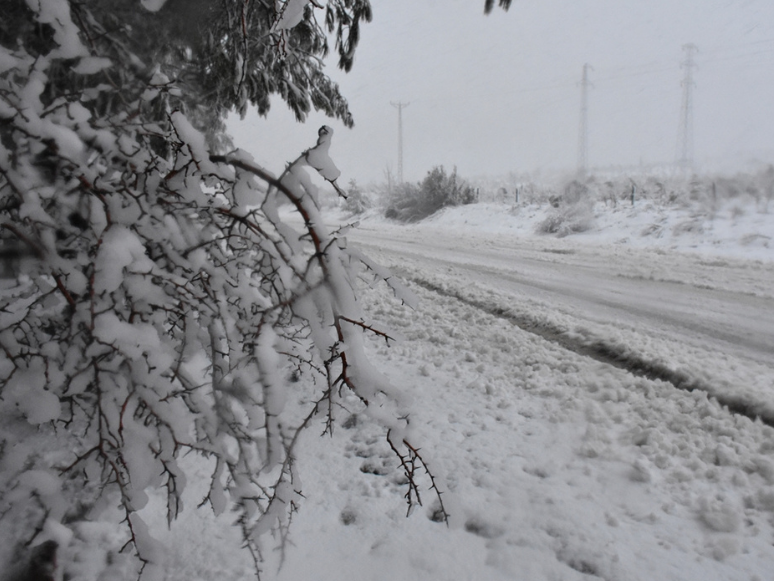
(602, 351)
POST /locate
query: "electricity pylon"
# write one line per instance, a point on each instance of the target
(583, 131)
(400, 106)
(684, 156)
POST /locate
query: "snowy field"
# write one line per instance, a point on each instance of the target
(555, 465)
(558, 459)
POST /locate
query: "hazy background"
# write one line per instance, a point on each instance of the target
(500, 93)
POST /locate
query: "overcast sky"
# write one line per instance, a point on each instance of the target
(500, 93)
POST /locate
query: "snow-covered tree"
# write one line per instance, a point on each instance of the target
(163, 302)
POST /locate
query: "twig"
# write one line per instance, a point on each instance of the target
(409, 464)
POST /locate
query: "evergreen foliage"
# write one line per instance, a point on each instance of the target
(411, 203)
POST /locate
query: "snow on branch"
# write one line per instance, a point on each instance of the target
(163, 306)
(290, 13)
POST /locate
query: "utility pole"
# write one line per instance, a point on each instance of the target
(400, 106)
(684, 157)
(583, 132)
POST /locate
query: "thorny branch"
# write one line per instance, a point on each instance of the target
(160, 317)
(410, 462)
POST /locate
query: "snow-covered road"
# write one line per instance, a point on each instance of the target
(698, 322)
(556, 466)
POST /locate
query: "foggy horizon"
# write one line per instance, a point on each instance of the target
(501, 93)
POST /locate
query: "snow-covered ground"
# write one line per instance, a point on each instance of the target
(739, 230)
(555, 465)
(542, 371)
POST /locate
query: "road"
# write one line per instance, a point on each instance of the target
(709, 319)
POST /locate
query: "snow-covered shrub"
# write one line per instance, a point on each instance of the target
(571, 213)
(690, 226)
(402, 203)
(357, 201)
(166, 302)
(438, 190)
(447, 190)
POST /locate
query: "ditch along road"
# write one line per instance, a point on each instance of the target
(697, 322)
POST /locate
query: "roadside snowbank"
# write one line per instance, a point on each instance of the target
(739, 231)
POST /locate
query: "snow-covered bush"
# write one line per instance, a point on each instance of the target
(438, 190)
(447, 190)
(357, 201)
(571, 213)
(165, 303)
(704, 194)
(402, 203)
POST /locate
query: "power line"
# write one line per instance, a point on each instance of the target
(720, 49)
(400, 106)
(737, 56)
(757, 53)
(608, 74)
(634, 73)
